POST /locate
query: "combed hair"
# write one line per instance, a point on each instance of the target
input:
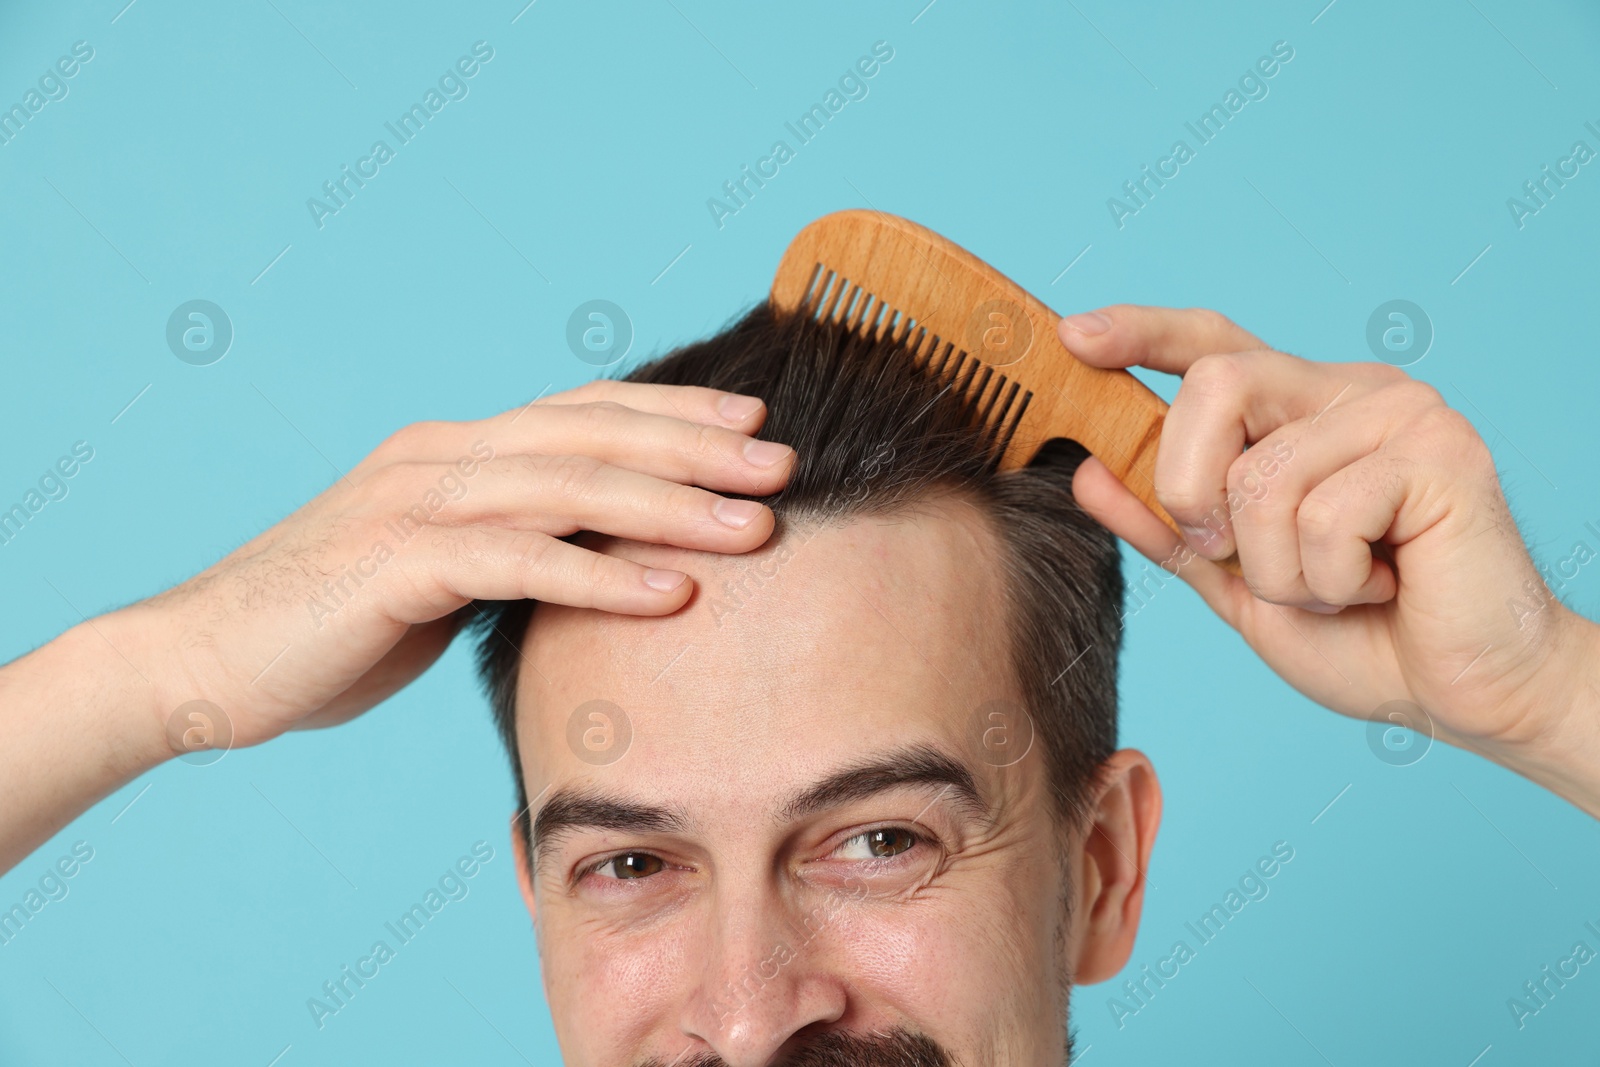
(874, 433)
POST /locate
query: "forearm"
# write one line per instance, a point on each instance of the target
(77, 723)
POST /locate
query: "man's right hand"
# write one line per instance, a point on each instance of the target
(354, 595)
(350, 598)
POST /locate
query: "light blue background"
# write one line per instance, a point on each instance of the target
(581, 163)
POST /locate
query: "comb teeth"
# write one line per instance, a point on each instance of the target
(996, 402)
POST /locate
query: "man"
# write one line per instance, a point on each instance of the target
(866, 764)
(784, 807)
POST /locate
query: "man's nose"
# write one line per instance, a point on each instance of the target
(765, 975)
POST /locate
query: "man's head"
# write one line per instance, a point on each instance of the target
(859, 800)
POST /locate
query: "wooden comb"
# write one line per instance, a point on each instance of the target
(970, 325)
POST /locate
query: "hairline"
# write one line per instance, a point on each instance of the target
(977, 502)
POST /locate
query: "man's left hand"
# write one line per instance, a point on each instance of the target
(1380, 560)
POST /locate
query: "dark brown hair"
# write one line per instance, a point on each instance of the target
(874, 433)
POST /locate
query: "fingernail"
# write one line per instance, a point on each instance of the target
(736, 513)
(1201, 538)
(663, 581)
(737, 408)
(765, 453)
(1088, 323)
(1320, 608)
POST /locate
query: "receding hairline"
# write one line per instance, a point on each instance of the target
(883, 440)
(959, 506)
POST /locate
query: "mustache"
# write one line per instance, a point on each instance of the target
(897, 1047)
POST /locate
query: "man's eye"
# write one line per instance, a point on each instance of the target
(631, 865)
(884, 843)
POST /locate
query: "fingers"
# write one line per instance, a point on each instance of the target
(1298, 542)
(1114, 506)
(444, 567)
(1225, 403)
(1305, 505)
(661, 445)
(1431, 475)
(666, 447)
(1338, 522)
(1329, 535)
(560, 495)
(691, 403)
(1164, 339)
(626, 459)
(623, 422)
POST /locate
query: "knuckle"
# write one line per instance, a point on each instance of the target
(1247, 496)
(401, 441)
(685, 501)
(1449, 436)
(589, 392)
(1217, 375)
(1211, 320)
(1241, 477)
(1442, 420)
(569, 476)
(1276, 587)
(603, 414)
(1318, 520)
(604, 418)
(423, 431)
(408, 584)
(414, 581)
(700, 448)
(1184, 501)
(389, 484)
(591, 574)
(1379, 374)
(532, 552)
(1416, 393)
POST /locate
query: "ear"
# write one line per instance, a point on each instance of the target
(519, 856)
(1111, 867)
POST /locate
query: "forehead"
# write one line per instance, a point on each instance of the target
(881, 630)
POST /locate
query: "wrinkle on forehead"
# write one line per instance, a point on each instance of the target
(831, 634)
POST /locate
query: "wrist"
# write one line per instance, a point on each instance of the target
(107, 677)
(1561, 750)
(79, 723)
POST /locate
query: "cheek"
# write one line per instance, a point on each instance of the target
(588, 971)
(976, 971)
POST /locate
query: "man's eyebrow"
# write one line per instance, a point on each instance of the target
(576, 808)
(912, 765)
(579, 808)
